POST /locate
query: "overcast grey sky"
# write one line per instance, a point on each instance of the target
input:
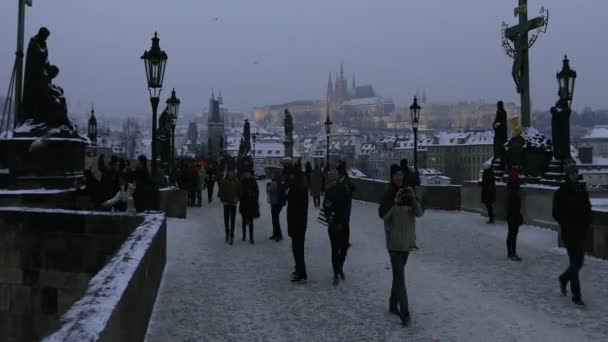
(451, 48)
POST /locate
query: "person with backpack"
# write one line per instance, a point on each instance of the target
(399, 209)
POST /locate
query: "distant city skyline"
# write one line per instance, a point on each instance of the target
(275, 51)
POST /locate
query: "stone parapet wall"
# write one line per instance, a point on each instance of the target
(48, 257)
(442, 197)
(537, 210)
(119, 300)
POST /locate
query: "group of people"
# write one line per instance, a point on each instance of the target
(120, 188)
(571, 210)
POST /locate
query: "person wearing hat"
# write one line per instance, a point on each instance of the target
(399, 209)
(488, 191)
(514, 216)
(572, 210)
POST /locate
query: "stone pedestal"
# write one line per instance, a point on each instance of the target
(555, 174)
(288, 147)
(50, 163)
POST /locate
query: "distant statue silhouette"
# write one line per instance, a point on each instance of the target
(43, 101)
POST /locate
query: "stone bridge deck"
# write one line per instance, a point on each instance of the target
(461, 286)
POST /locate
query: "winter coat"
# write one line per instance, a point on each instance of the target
(315, 182)
(488, 187)
(276, 193)
(297, 208)
(143, 190)
(514, 216)
(229, 190)
(347, 188)
(248, 205)
(399, 221)
(572, 210)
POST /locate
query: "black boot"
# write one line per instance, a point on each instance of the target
(251, 234)
(406, 320)
(336, 280)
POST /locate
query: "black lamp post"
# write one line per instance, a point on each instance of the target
(173, 107)
(155, 61)
(565, 81)
(415, 113)
(328, 124)
(255, 136)
(560, 121)
(92, 133)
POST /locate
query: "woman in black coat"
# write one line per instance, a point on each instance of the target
(249, 207)
(297, 219)
(488, 192)
(514, 217)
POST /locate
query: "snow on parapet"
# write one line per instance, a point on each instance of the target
(88, 317)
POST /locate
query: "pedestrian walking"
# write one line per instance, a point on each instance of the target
(228, 192)
(277, 197)
(210, 178)
(297, 220)
(308, 171)
(488, 191)
(514, 216)
(249, 205)
(399, 209)
(335, 211)
(572, 210)
(201, 184)
(347, 188)
(315, 186)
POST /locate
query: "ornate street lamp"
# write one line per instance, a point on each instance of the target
(328, 124)
(565, 81)
(155, 61)
(560, 121)
(173, 107)
(415, 114)
(92, 133)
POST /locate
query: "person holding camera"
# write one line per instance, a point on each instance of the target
(399, 209)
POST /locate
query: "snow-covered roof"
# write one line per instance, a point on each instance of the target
(597, 132)
(463, 138)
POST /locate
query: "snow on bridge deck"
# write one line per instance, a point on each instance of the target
(460, 284)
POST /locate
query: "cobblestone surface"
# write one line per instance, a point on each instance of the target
(461, 286)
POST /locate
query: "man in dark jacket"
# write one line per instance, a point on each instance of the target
(572, 210)
(275, 191)
(488, 191)
(297, 219)
(514, 217)
(335, 207)
(145, 195)
(347, 188)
